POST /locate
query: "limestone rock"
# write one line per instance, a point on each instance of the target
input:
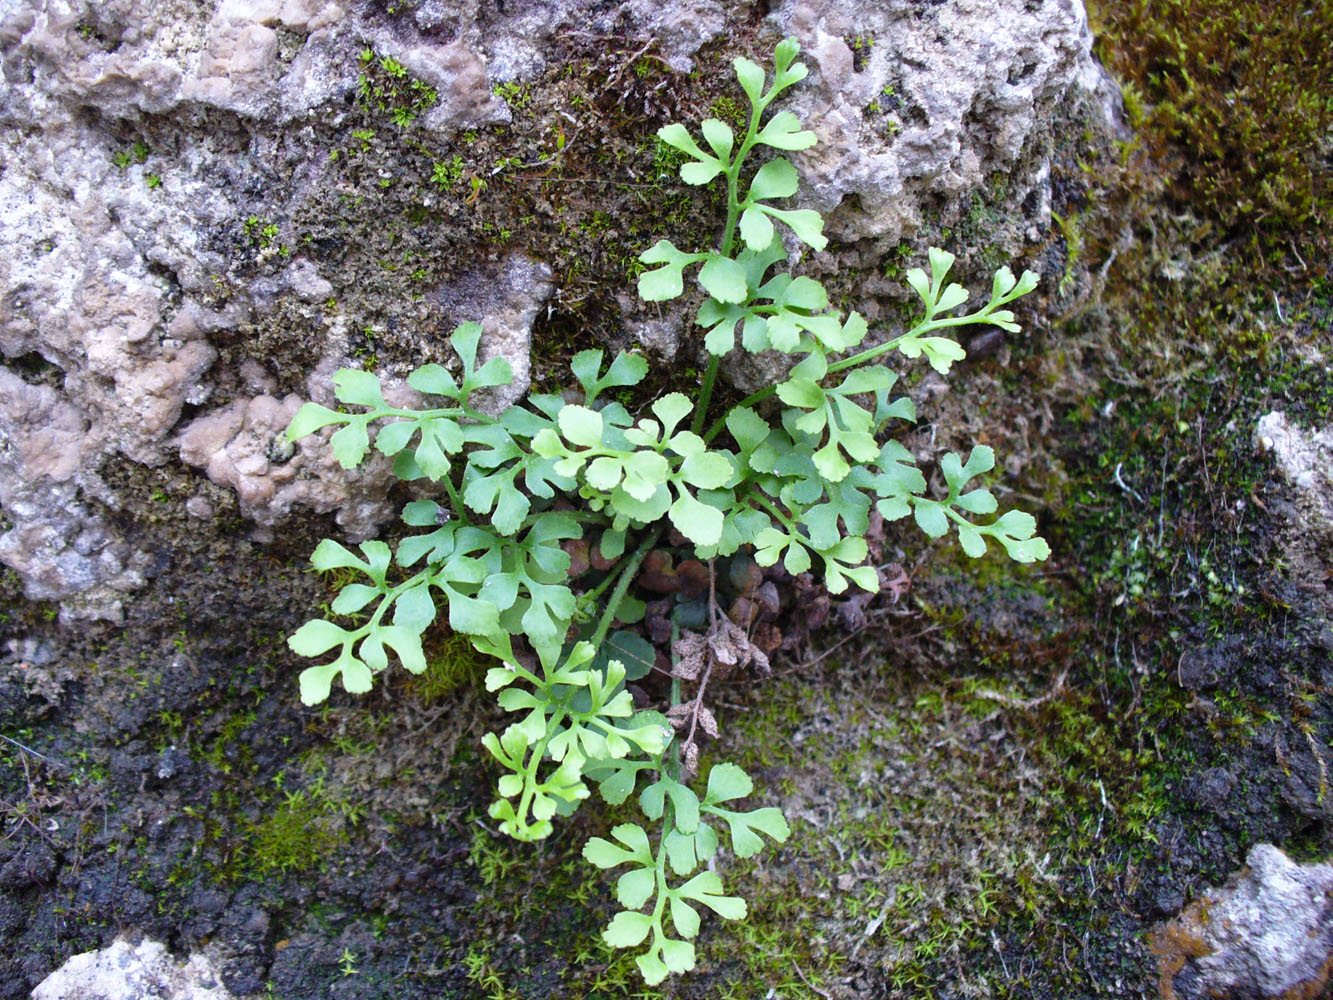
(505, 299)
(918, 109)
(144, 145)
(515, 40)
(242, 446)
(61, 549)
(132, 972)
(915, 107)
(1304, 459)
(1266, 934)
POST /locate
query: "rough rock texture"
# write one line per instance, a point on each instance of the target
(917, 106)
(132, 972)
(154, 157)
(516, 38)
(508, 298)
(64, 551)
(1304, 458)
(1267, 934)
(931, 117)
(242, 446)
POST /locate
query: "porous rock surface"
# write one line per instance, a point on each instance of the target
(918, 105)
(128, 268)
(123, 971)
(1303, 458)
(1267, 934)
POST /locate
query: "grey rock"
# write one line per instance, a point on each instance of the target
(61, 549)
(132, 972)
(930, 104)
(1267, 933)
(916, 109)
(459, 76)
(679, 30)
(1304, 457)
(1304, 460)
(140, 296)
(303, 280)
(505, 298)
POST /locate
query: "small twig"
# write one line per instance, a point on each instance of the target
(30, 750)
(708, 667)
(812, 986)
(1125, 486)
(995, 943)
(870, 930)
(833, 649)
(1023, 703)
(625, 64)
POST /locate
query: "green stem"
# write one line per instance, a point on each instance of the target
(534, 762)
(612, 576)
(724, 248)
(626, 577)
(869, 354)
(705, 394)
(582, 516)
(455, 500)
(671, 756)
(418, 415)
(773, 509)
(389, 597)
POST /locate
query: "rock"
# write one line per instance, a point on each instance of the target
(505, 299)
(113, 251)
(1268, 933)
(61, 548)
(150, 149)
(132, 972)
(1304, 459)
(915, 106)
(679, 30)
(916, 109)
(242, 446)
(302, 278)
(459, 76)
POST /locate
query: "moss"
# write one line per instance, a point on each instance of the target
(452, 663)
(913, 845)
(299, 834)
(1233, 98)
(386, 87)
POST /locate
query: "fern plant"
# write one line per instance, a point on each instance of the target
(790, 473)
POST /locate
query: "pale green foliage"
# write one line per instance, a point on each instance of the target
(793, 472)
(575, 713)
(689, 840)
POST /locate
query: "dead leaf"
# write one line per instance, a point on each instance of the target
(728, 643)
(707, 722)
(691, 760)
(577, 549)
(894, 581)
(689, 652)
